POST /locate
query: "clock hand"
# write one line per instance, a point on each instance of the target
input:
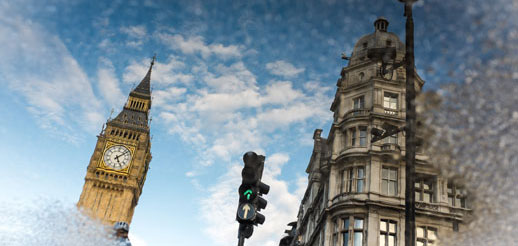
(117, 157)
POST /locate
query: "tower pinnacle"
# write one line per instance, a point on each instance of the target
(144, 87)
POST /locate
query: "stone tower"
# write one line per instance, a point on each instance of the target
(356, 189)
(118, 167)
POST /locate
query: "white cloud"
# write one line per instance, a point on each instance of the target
(171, 94)
(196, 44)
(220, 207)
(281, 92)
(38, 65)
(232, 112)
(284, 69)
(138, 32)
(108, 84)
(163, 73)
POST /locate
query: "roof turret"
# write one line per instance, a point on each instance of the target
(380, 38)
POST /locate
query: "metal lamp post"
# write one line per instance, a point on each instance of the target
(387, 59)
(410, 129)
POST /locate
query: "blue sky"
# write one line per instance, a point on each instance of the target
(231, 76)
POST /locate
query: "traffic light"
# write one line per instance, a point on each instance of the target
(250, 194)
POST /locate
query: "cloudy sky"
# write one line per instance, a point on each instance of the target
(230, 76)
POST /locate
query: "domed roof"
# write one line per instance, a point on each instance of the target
(379, 39)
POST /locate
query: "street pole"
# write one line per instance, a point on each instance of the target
(410, 130)
(241, 241)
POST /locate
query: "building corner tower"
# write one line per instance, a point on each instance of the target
(356, 186)
(118, 167)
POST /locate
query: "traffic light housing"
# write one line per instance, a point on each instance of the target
(250, 194)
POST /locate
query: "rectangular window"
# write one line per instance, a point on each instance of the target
(353, 136)
(390, 100)
(353, 180)
(353, 230)
(359, 102)
(360, 179)
(358, 232)
(424, 189)
(363, 136)
(390, 103)
(388, 235)
(456, 196)
(426, 236)
(389, 181)
(348, 178)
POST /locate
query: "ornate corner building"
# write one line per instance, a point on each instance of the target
(356, 189)
(118, 167)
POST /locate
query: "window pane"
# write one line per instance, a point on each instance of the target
(418, 196)
(383, 226)
(419, 243)
(359, 185)
(391, 240)
(358, 223)
(393, 174)
(420, 232)
(346, 238)
(450, 200)
(457, 201)
(358, 238)
(417, 184)
(363, 141)
(382, 240)
(384, 187)
(392, 227)
(360, 172)
(392, 188)
(384, 173)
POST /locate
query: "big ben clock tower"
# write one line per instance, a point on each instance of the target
(118, 167)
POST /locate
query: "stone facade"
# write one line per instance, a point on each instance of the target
(115, 179)
(356, 189)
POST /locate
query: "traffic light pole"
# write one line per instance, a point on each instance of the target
(250, 196)
(241, 241)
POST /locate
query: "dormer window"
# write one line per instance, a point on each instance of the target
(364, 45)
(389, 43)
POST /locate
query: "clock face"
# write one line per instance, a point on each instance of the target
(117, 157)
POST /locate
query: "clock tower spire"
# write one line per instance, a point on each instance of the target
(118, 167)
